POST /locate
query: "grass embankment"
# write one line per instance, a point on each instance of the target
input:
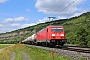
(4, 45)
(40, 54)
(5, 54)
(33, 53)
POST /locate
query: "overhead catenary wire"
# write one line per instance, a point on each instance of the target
(65, 7)
(86, 9)
(55, 6)
(59, 5)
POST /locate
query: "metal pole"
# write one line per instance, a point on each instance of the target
(50, 18)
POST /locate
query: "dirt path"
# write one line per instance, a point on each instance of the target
(13, 56)
(25, 56)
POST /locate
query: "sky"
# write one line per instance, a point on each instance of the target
(17, 14)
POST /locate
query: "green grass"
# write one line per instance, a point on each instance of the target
(4, 45)
(33, 53)
(18, 50)
(5, 54)
(36, 53)
(40, 54)
(19, 56)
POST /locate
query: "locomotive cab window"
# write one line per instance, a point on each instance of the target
(57, 29)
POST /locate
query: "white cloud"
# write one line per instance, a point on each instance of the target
(59, 17)
(3, 1)
(15, 25)
(31, 24)
(19, 19)
(8, 20)
(5, 28)
(12, 20)
(20, 25)
(55, 6)
(10, 24)
(42, 20)
(25, 25)
(81, 11)
(11, 27)
(76, 14)
(1, 25)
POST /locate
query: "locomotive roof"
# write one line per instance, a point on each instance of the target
(54, 26)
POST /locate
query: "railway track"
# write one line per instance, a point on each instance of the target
(70, 51)
(77, 49)
(72, 48)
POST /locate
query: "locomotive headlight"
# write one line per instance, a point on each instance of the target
(53, 34)
(61, 34)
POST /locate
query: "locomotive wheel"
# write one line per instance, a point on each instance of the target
(37, 44)
(62, 44)
(44, 44)
(51, 45)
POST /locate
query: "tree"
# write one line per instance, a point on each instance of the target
(88, 39)
(82, 36)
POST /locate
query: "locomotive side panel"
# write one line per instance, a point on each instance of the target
(41, 36)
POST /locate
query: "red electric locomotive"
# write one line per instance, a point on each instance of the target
(51, 35)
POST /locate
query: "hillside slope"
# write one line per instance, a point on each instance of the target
(76, 28)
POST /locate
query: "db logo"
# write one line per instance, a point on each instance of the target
(57, 34)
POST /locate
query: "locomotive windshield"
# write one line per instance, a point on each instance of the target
(57, 29)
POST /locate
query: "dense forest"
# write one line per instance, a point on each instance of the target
(77, 31)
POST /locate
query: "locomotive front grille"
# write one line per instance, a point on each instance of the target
(57, 42)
